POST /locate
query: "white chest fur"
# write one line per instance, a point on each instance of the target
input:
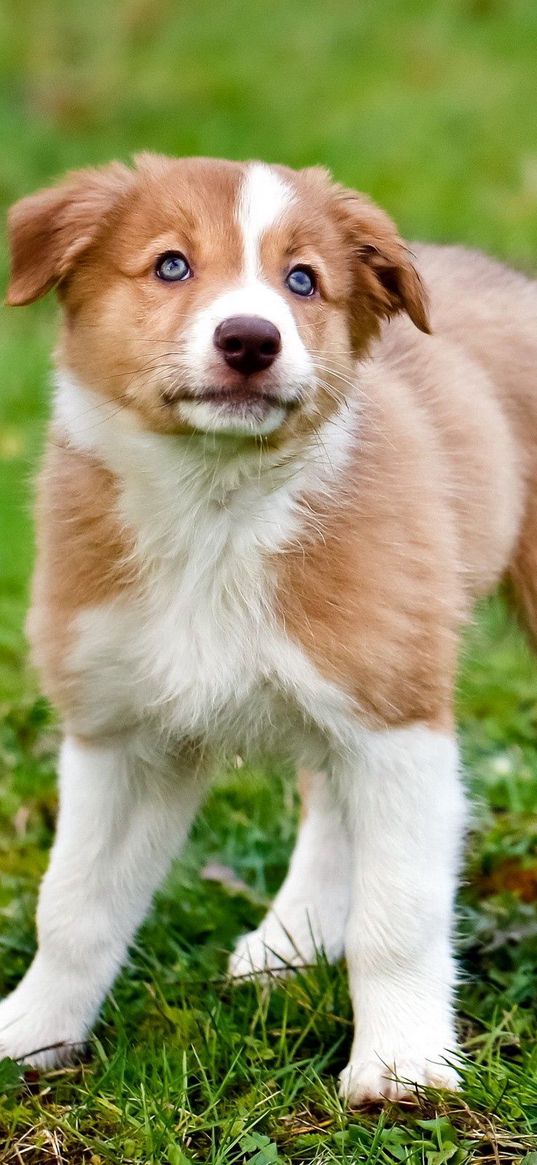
(198, 648)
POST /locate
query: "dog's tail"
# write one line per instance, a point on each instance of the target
(522, 573)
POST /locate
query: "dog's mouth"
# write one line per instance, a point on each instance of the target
(239, 407)
(236, 397)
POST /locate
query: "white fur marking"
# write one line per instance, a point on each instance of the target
(264, 198)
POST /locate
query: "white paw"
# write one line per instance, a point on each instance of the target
(373, 1079)
(35, 1030)
(278, 946)
(256, 954)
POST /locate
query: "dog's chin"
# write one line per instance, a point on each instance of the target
(248, 416)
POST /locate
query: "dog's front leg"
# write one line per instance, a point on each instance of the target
(123, 815)
(406, 813)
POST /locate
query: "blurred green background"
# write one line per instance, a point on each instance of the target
(431, 108)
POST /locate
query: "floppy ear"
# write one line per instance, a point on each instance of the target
(381, 261)
(50, 230)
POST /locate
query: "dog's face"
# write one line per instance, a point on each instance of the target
(213, 296)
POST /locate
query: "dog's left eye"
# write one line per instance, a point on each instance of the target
(301, 280)
(173, 267)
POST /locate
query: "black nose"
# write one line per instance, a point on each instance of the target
(248, 343)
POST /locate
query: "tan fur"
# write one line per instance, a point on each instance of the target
(84, 557)
(439, 499)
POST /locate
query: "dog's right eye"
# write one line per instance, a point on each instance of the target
(172, 267)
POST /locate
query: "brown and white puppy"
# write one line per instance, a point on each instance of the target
(263, 516)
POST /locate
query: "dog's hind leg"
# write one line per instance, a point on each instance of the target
(309, 913)
(124, 813)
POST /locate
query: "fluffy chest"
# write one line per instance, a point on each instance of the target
(199, 651)
(186, 649)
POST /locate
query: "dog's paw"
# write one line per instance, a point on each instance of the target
(369, 1081)
(255, 955)
(288, 941)
(37, 1032)
(272, 951)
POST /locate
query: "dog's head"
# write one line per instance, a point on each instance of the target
(213, 296)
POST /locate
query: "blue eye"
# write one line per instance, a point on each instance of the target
(301, 281)
(172, 267)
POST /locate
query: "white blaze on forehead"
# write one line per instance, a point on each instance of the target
(263, 198)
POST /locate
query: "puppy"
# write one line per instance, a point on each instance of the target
(275, 484)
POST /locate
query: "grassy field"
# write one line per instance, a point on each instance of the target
(430, 108)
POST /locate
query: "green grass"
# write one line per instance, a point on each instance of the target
(431, 108)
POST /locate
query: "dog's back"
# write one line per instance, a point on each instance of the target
(484, 313)
(490, 310)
